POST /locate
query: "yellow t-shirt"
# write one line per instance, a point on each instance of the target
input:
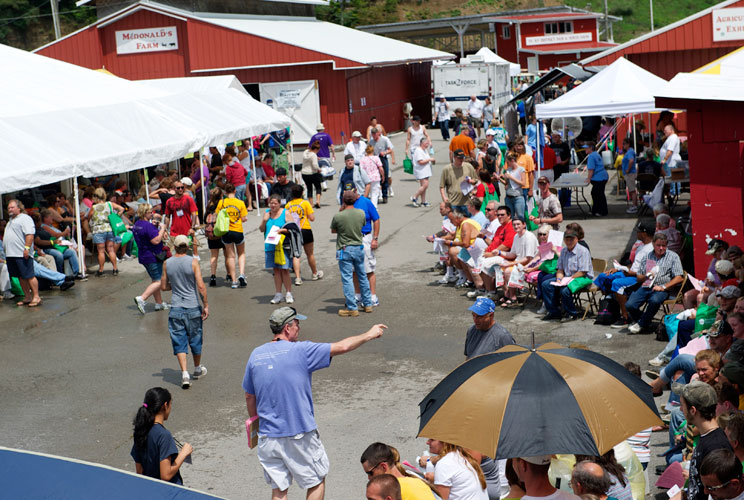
(235, 210)
(528, 164)
(476, 227)
(412, 488)
(302, 208)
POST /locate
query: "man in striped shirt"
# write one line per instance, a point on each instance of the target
(660, 271)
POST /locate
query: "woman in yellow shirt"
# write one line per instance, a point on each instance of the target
(234, 240)
(301, 212)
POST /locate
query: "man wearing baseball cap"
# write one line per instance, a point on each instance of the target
(278, 388)
(182, 275)
(698, 402)
(533, 472)
(486, 334)
(355, 147)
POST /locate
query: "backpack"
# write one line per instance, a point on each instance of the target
(489, 197)
(209, 227)
(608, 311)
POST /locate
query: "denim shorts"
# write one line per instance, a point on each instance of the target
(185, 328)
(99, 238)
(270, 264)
(154, 270)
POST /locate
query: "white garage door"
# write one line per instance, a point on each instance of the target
(299, 101)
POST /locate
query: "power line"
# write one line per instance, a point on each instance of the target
(42, 15)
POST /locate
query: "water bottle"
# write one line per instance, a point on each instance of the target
(429, 465)
(431, 150)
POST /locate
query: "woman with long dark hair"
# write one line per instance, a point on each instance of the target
(154, 451)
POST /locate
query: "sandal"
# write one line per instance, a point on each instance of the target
(23, 303)
(507, 303)
(502, 300)
(34, 304)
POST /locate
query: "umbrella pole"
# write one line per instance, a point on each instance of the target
(533, 340)
(255, 181)
(80, 248)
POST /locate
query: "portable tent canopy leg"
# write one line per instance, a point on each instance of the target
(78, 227)
(255, 181)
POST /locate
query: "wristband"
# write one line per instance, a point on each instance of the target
(27, 247)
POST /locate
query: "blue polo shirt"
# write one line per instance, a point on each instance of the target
(370, 213)
(627, 156)
(594, 162)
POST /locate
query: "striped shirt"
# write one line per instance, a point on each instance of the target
(578, 259)
(639, 444)
(669, 266)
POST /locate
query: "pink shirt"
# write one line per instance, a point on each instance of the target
(372, 166)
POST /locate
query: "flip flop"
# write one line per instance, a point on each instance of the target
(23, 303)
(34, 304)
(507, 303)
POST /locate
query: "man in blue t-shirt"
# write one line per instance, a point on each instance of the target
(278, 388)
(630, 172)
(370, 235)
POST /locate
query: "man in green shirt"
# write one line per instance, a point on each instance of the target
(347, 224)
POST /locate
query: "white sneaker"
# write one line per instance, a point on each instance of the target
(543, 310)
(197, 258)
(140, 304)
(461, 281)
(444, 280)
(487, 295)
(634, 328)
(475, 293)
(278, 297)
(200, 371)
(162, 307)
(289, 299)
(185, 381)
(318, 275)
(631, 210)
(298, 281)
(657, 361)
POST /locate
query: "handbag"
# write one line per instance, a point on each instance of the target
(117, 225)
(408, 165)
(222, 224)
(162, 255)
(513, 193)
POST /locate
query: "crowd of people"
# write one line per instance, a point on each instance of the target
(500, 247)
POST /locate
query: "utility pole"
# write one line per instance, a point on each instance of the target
(606, 21)
(651, 7)
(55, 19)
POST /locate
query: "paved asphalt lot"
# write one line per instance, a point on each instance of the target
(76, 369)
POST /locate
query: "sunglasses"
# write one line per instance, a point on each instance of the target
(179, 187)
(489, 210)
(500, 215)
(720, 486)
(369, 472)
(542, 234)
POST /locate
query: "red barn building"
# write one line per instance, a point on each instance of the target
(349, 74)
(679, 47)
(545, 41)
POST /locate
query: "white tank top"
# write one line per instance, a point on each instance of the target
(416, 136)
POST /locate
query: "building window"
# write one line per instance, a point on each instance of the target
(558, 27)
(506, 32)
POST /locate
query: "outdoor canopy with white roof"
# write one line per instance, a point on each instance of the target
(86, 123)
(491, 57)
(621, 88)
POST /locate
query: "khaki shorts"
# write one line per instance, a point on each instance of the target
(301, 457)
(630, 181)
(370, 261)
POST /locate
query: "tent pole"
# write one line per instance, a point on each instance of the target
(255, 181)
(635, 145)
(291, 156)
(201, 177)
(78, 226)
(2, 214)
(540, 138)
(147, 185)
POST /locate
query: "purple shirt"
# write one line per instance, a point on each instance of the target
(144, 231)
(196, 178)
(325, 142)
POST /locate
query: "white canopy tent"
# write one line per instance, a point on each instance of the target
(491, 57)
(621, 88)
(61, 121)
(718, 80)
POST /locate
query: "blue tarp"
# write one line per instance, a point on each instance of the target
(28, 475)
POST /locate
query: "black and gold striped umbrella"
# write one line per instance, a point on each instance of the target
(518, 402)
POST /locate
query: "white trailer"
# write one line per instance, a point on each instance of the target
(457, 82)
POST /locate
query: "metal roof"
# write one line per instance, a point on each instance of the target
(563, 48)
(572, 70)
(659, 31)
(545, 17)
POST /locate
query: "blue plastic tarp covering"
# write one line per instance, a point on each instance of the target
(27, 475)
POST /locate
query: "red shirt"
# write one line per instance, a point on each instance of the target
(504, 236)
(480, 191)
(268, 170)
(549, 159)
(180, 210)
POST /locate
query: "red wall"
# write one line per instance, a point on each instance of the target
(507, 48)
(716, 173)
(83, 49)
(538, 29)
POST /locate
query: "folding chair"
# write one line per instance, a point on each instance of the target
(669, 304)
(589, 293)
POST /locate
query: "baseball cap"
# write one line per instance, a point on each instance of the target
(284, 315)
(349, 186)
(646, 227)
(483, 306)
(697, 393)
(734, 372)
(723, 329)
(735, 251)
(490, 132)
(186, 181)
(356, 133)
(320, 126)
(570, 234)
(543, 179)
(181, 241)
(416, 118)
(281, 171)
(729, 292)
(348, 157)
(714, 245)
(735, 352)
(538, 459)
(724, 267)
(458, 153)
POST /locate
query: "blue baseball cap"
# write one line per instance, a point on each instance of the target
(483, 306)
